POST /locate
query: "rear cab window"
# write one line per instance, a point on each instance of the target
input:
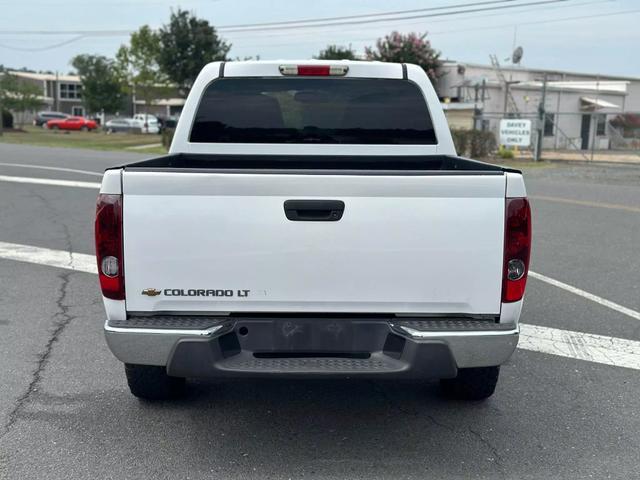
(313, 110)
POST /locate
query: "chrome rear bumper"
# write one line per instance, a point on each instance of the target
(225, 347)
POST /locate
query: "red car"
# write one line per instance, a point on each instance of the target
(72, 123)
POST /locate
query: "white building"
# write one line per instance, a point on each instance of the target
(580, 108)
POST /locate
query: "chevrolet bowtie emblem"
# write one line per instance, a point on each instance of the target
(151, 292)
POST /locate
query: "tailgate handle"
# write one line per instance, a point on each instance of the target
(314, 210)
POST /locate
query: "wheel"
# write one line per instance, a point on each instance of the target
(150, 382)
(54, 127)
(84, 128)
(472, 383)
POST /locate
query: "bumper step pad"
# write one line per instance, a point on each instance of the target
(311, 365)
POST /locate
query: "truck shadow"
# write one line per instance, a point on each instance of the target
(285, 428)
(338, 427)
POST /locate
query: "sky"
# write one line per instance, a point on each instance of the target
(593, 36)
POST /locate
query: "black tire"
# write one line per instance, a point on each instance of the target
(150, 382)
(84, 128)
(472, 383)
(55, 127)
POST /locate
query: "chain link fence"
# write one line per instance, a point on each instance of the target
(586, 136)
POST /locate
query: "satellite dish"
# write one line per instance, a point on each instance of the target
(517, 55)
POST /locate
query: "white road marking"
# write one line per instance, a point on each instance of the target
(80, 262)
(613, 351)
(618, 352)
(59, 169)
(586, 203)
(142, 147)
(50, 181)
(589, 296)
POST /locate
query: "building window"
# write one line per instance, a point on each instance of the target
(601, 125)
(77, 111)
(71, 91)
(549, 124)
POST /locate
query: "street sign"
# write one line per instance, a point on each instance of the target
(514, 132)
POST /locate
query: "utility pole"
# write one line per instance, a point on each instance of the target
(476, 110)
(594, 118)
(541, 119)
(482, 97)
(56, 93)
(506, 98)
(1, 114)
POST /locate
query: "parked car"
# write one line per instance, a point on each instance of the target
(147, 123)
(312, 220)
(72, 123)
(41, 118)
(127, 125)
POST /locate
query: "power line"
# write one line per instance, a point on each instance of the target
(433, 32)
(295, 23)
(41, 49)
(381, 14)
(276, 34)
(502, 26)
(378, 20)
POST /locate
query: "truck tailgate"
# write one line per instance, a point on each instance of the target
(221, 242)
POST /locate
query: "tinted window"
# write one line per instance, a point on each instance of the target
(310, 110)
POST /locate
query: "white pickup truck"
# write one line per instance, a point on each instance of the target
(312, 219)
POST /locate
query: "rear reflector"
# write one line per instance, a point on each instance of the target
(517, 247)
(314, 70)
(108, 232)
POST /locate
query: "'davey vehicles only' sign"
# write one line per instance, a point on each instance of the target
(515, 132)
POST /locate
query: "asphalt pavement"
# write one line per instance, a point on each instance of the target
(66, 412)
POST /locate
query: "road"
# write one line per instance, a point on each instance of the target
(66, 413)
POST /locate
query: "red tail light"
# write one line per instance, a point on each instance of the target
(517, 246)
(320, 70)
(108, 231)
(314, 70)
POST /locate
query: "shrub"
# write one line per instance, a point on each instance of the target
(505, 153)
(7, 119)
(474, 143)
(481, 144)
(461, 140)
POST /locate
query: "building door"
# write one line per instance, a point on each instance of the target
(585, 128)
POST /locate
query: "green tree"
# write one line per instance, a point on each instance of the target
(102, 86)
(409, 48)
(187, 44)
(19, 96)
(336, 52)
(137, 64)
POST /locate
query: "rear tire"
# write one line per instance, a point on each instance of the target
(54, 127)
(150, 382)
(84, 128)
(472, 383)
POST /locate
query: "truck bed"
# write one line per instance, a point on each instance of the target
(330, 164)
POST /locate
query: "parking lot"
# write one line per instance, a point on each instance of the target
(567, 404)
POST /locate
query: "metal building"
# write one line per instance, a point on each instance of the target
(581, 111)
